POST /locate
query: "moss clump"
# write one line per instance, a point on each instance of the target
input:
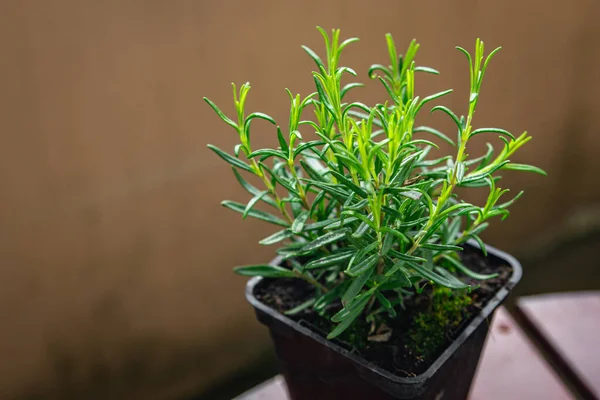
(430, 327)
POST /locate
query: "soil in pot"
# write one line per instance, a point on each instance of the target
(405, 345)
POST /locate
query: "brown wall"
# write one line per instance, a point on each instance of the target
(115, 256)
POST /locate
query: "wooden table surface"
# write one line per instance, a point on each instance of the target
(559, 360)
(567, 328)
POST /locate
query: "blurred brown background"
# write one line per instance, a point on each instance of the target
(115, 256)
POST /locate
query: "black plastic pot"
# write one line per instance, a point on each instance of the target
(316, 368)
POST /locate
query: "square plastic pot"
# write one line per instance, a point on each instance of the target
(316, 368)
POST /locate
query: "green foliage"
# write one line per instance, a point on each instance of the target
(362, 201)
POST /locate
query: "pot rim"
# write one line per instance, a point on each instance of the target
(492, 304)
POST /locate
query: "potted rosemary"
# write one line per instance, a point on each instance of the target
(382, 286)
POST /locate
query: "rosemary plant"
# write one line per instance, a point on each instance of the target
(362, 204)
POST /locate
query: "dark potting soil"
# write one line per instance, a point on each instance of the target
(418, 335)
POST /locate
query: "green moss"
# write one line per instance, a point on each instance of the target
(429, 328)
